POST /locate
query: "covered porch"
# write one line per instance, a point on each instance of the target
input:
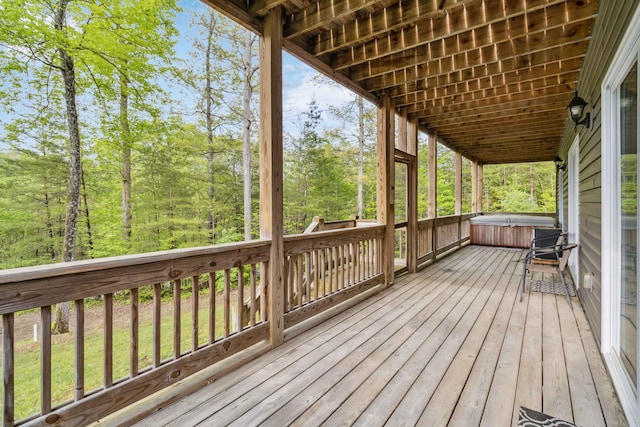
(317, 328)
(451, 345)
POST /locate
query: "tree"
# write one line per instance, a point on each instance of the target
(249, 71)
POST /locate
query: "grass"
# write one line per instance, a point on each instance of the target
(27, 354)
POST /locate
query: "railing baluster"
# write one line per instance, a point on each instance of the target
(299, 274)
(157, 323)
(252, 290)
(133, 352)
(339, 268)
(177, 320)
(371, 266)
(354, 262)
(264, 283)
(316, 272)
(332, 264)
(308, 266)
(240, 302)
(79, 346)
(195, 300)
(45, 360)
(108, 340)
(286, 280)
(212, 307)
(227, 302)
(7, 369)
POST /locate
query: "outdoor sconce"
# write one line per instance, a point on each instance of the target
(560, 165)
(576, 109)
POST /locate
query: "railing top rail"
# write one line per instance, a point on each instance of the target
(319, 235)
(62, 269)
(39, 287)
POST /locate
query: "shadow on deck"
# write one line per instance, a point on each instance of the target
(451, 345)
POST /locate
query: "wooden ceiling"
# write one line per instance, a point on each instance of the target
(491, 77)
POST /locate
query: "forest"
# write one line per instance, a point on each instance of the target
(131, 126)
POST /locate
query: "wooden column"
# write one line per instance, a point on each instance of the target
(480, 186)
(458, 184)
(271, 214)
(458, 192)
(433, 189)
(402, 133)
(385, 193)
(474, 187)
(412, 197)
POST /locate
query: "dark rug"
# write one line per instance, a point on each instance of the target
(551, 287)
(530, 418)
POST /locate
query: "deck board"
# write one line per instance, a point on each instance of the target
(451, 345)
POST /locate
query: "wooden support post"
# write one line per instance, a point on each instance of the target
(271, 213)
(386, 183)
(458, 184)
(480, 186)
(412, 197)
(402, 133)
(433, 189)
(474, 187)
(458, 192)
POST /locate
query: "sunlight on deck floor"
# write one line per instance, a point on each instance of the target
(451, 345)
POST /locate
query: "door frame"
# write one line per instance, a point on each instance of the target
(626, 55)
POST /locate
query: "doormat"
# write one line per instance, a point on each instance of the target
(530, 418)
(551, 287)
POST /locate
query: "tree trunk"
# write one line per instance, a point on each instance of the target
(126, 160)
(532, 183)
(86, 213)
(75, 163)
(360, 157)
(209, 125)
(246, 139)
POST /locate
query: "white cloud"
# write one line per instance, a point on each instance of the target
(298, 96)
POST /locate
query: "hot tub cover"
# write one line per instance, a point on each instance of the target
(512, 220)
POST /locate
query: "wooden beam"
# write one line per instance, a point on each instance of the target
(261, 7)
(445, 59)
(480, 107)
(322, 67)
(432, 74)
(321, 13)
(364, 28)
(385, 183)
(271, 164)
(465, 92)
(478, 27)
(412, 197)
(236, 10)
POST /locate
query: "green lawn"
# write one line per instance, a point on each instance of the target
(27, 354)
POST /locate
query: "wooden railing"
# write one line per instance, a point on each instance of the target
(182, 335)
(141, 323)
(437, 236)
(325, 268)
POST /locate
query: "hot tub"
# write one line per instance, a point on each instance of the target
(507, 230)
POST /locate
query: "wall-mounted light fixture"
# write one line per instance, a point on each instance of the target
(560, 164)
(576, 109)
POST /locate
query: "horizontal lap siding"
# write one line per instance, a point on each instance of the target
(611, 24)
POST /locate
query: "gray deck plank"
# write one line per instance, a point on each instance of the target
(450, 345)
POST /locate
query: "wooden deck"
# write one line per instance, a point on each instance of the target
(451, 345)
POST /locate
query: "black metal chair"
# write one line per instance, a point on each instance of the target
(548, 259)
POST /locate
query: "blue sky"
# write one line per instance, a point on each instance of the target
(300, 81)
(299, 87)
